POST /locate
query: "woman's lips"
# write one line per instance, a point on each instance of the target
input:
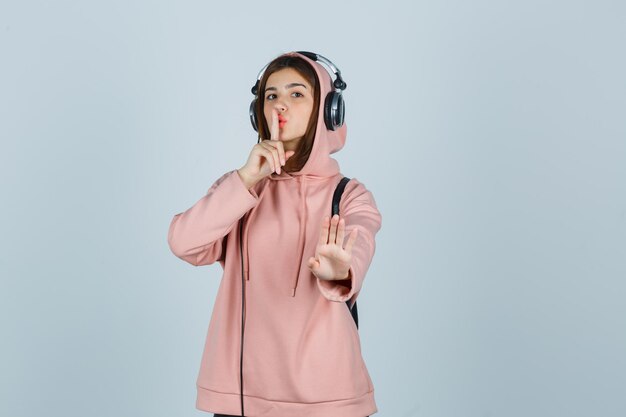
(281, 123)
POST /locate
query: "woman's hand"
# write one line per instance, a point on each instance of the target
(266, 157)
(332, 261)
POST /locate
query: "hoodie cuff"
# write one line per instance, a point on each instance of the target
(338, 290)
(251, 190)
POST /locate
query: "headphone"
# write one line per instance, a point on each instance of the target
(334, 108)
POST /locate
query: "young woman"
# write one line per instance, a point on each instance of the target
(281, 341)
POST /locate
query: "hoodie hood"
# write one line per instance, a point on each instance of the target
(318, 166)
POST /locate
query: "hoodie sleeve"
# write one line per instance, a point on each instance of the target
(358, 208)
(197, 234)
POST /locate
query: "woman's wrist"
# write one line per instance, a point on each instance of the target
(248, 182)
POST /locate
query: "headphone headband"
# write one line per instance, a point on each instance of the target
(338, 84)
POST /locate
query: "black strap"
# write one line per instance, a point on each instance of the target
(335, 210)
(337, 196)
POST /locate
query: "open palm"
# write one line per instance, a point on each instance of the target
(332, 261)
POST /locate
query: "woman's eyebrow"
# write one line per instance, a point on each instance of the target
(287, 86)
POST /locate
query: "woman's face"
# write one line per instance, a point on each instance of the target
(288, 92)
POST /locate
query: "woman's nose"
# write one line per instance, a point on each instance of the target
(280, 107)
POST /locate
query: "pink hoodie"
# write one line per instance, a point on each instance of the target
(301, 348)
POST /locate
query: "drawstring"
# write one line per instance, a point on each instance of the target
(303, 215)
(301, 237)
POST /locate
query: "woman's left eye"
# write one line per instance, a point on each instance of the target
(299, 93)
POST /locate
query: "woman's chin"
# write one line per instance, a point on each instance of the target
(286, 138)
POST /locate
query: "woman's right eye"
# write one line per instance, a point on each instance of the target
(268, 97)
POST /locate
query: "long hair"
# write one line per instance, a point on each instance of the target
(303, 150)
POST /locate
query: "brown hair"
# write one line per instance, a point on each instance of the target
(296, 162)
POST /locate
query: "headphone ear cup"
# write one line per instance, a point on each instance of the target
(341, 110)
(253, 115)
(334, 110)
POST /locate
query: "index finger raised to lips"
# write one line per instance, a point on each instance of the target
(274, 128)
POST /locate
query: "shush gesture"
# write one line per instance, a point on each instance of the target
(267, 156)
(332, 260)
